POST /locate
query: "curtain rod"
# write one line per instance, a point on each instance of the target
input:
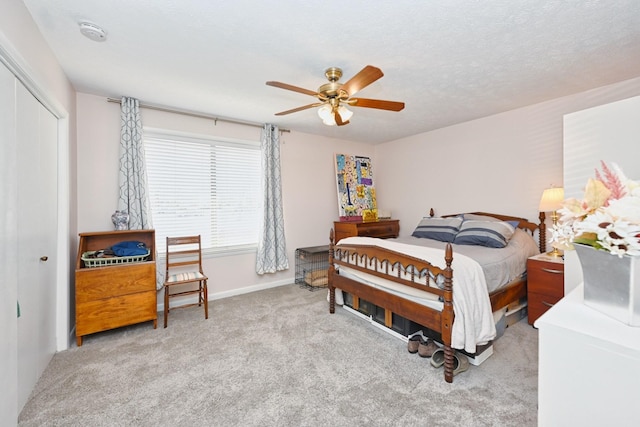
(195, 114)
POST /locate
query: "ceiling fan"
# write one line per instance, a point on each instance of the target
(334, 96)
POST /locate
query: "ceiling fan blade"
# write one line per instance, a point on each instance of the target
(304, 107)
(293, 88)
(364, 78)
(376, 103)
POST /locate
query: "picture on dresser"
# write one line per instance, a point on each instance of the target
(356, 192)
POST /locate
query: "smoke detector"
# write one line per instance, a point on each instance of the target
(93, 32)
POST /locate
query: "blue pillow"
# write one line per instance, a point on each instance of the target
(492, 234)
(442, 229)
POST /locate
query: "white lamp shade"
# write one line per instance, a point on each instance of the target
(345, 113)
(552, 199)
(326, 114)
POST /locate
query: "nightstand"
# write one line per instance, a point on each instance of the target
(384, 229)
(545, 284)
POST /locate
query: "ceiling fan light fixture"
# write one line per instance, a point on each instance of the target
(326, 114)
(345, 113)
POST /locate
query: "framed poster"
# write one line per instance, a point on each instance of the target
(356, 193)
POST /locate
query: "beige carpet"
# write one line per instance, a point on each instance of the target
(277, 358)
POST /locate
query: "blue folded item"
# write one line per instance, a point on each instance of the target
(129, 248)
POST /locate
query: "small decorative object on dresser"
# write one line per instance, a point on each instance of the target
(383, 229)
(605, 228)
(611, 283)
(545, 284)
(120, 220)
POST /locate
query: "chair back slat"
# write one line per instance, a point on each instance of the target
(182, 253)
(176, 264)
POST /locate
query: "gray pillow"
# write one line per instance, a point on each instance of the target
(492, 234)
(442, 229)
(475, 217)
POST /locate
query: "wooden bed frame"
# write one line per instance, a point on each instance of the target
(393, 263)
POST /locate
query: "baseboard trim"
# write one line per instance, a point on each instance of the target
(226, 294)
(249, 289)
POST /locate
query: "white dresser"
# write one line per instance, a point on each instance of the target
(589, 367)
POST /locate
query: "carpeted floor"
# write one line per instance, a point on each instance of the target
(277, 358)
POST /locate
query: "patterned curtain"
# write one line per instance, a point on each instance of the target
(133, 175)
(272, 250)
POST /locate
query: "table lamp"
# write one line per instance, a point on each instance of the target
(551, 201)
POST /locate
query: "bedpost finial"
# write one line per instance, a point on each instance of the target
(448, 255)
(431, 213)
(542, 233)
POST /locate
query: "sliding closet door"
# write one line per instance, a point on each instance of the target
(36, 137)
(8, 246)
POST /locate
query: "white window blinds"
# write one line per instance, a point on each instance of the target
(206, 187)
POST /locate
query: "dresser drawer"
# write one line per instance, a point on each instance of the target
(538, 304)
(105, 282)
(383, 229)
(545, 284)
(546, 278)
(101, 315)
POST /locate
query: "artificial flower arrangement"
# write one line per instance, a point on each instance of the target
(608, 218)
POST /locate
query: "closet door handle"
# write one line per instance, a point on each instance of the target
(548, 270)
(44, 258)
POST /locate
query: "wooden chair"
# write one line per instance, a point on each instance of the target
(184, 270)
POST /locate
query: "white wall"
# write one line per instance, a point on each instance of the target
(309, 189)
(609, 132)
(500, 163)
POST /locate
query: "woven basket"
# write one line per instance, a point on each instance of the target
(105, 262)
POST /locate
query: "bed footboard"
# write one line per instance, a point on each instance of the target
(402, 269)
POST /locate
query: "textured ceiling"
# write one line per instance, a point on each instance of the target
(449, 61)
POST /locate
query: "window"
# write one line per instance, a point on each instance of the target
(204, 186)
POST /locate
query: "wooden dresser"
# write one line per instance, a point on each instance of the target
(545, 284)
(116, 295)
(384, 228)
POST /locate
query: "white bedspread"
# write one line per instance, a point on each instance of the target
(500, 265)
(473, 324)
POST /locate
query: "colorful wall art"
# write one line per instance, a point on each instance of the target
(356, 193)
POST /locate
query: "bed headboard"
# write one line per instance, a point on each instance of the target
(523, 223)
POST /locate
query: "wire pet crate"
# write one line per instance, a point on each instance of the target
(312, 267)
